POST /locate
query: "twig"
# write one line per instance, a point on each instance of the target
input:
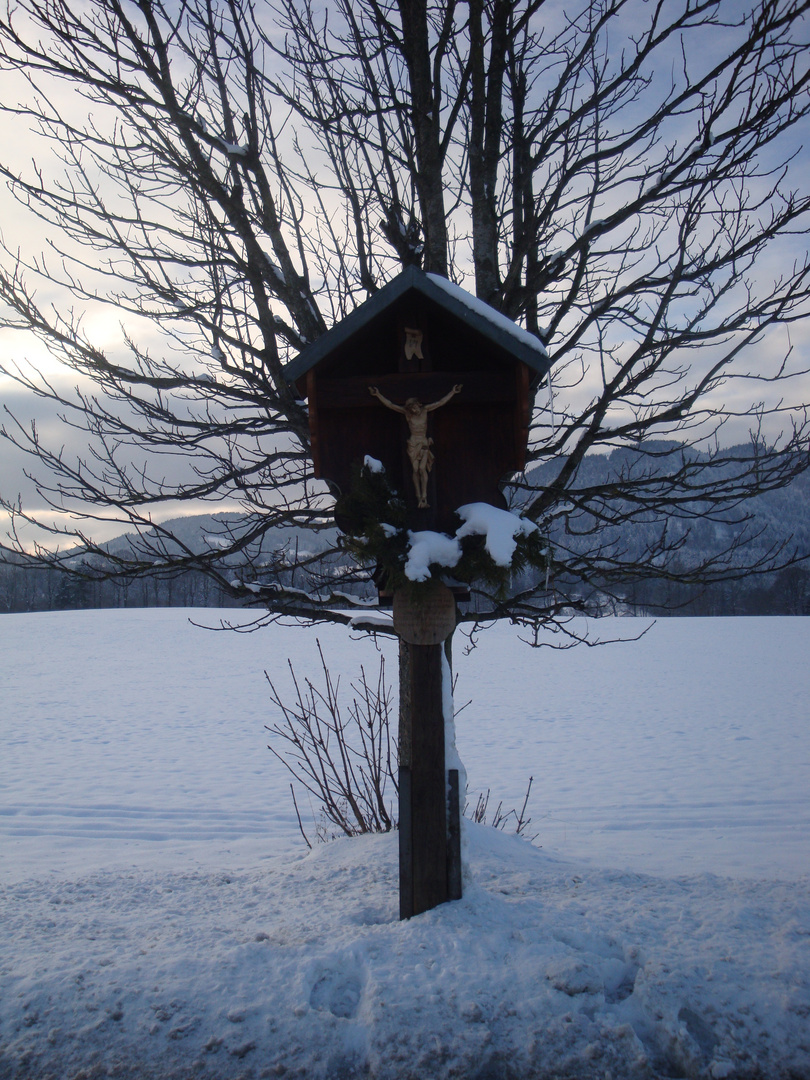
(297, 814)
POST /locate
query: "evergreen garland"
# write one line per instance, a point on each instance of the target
(477, 565)
(373, 520)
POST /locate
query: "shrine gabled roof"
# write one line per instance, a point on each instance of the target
(496, 328)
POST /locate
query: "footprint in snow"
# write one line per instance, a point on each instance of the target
(612, 977)
(573, 976)
(597, 964)
(337, 992)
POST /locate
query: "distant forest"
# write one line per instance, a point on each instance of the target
(779, 517)
(782, 515)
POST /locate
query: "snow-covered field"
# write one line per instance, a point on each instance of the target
(161, 917)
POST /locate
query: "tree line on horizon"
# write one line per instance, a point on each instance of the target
(771, 519)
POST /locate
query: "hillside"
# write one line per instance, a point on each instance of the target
(780, 517)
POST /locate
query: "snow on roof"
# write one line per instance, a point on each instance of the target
(486, 311)
(499, 330)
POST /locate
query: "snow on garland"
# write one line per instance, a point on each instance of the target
(500, 528)
(426, 549)
(489, 546)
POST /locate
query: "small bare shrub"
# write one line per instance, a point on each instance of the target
(501, 818)
(344, 760)
(348, 761)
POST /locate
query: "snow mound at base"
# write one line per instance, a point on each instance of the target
(300, 967)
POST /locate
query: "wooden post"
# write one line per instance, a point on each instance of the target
(423, 794)
(429, 827)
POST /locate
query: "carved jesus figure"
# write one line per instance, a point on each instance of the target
(419, 444)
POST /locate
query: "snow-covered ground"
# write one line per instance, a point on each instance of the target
(161, 917)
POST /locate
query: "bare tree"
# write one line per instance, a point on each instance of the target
(622, 178)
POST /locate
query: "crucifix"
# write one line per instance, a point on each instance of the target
(419, 443)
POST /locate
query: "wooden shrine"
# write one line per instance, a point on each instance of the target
(439, 388)
(418, 338)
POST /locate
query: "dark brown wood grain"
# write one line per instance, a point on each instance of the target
(423, 840)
